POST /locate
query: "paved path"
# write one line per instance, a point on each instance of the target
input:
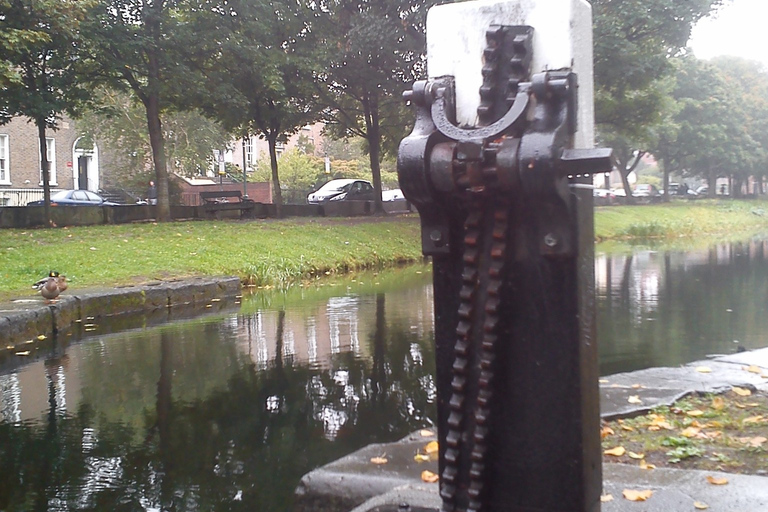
(354, 483)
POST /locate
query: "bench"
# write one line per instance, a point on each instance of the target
(215, 202)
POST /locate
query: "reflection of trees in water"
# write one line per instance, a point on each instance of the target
(675, 307)
(243, 447)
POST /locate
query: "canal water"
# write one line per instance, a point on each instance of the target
(227, 412)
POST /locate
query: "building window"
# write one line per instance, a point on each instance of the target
(5, 173)
(250, 155)
(50, 146)
(279, 148)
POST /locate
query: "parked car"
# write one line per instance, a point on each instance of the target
(392, 195)
(341, 190)
(75, 198)
(604, 197)
(646, 193)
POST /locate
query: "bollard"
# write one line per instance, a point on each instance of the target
(499, 166)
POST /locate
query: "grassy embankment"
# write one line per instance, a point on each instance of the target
(282, 252)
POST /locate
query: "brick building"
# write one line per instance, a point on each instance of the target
(73, 162)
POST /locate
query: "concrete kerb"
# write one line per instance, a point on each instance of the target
(26, 319)
(354, 483)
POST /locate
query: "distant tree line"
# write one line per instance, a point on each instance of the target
(267, 68)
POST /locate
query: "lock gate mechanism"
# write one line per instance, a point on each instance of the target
(506, 209)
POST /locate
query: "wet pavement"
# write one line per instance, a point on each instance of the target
(354, 483)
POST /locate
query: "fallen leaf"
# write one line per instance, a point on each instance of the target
(716, 481)
(616, 452)
(694, 413)
(754, 369)
(741, 391)
(718, 403)
(645, 465)
(605, 432)
(426, 433)
(429, 477)
(603, 381)
(632, 495)
(638, 386)
(605, 498)
(754, 419)
(25, 353)
(704, 369)
(636, 456)
(690, 432)
(41, 337)
(700, 506)
(755, 442)
(432, 447)
(627, 428)
(420, 457)
(634, 399)
(379, 460)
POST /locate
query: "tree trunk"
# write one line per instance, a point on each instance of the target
(46, 171)
(665, 182)
(277, 195)
(371, 110)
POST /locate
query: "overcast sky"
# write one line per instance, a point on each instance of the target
(740, 28)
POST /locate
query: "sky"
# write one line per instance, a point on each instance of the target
(740, 28)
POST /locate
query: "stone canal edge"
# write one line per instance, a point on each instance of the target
(25, 321)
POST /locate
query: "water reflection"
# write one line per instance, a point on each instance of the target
(224, 414)
(669, 308)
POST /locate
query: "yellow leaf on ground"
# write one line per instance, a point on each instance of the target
(627, 428)
(755, 419)
(636, 456)
(645, 465)
(420, 457)
(716, 481)
(432, 447)
(704, 369)
(616, 452)
(632, 495)
(605, 432)
(41, 337)
(426, 433)
(638, 386)
(755, 442)
(379, 460)
(718, 403)
(700, 505)
(603, 381)
(754, 369)
(634, 399)
(695, 413)
(690, 432)
(741, 391)
(605, 498)
(429, 477)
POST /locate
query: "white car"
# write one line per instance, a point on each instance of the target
(392, 195)
(340, 190)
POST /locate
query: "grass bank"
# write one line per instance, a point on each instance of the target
(261, 253)
(286, 251)
(681, 219)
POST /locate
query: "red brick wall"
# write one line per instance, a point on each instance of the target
(190, 194)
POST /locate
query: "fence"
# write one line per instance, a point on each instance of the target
(21, 196)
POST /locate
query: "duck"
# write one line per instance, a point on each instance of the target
(50, 290)
(61, 282)
(42, 282)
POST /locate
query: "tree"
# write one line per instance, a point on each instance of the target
(258, 71)
(136, 47)
(45, 59)
(634, 40)
(374, 49)
(119, 122)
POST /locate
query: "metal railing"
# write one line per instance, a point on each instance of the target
(21, 196)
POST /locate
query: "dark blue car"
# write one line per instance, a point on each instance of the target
(75, 198)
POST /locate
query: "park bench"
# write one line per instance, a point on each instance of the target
(217, 201)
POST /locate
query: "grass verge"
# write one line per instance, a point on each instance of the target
(261, 253)
(711, 432)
